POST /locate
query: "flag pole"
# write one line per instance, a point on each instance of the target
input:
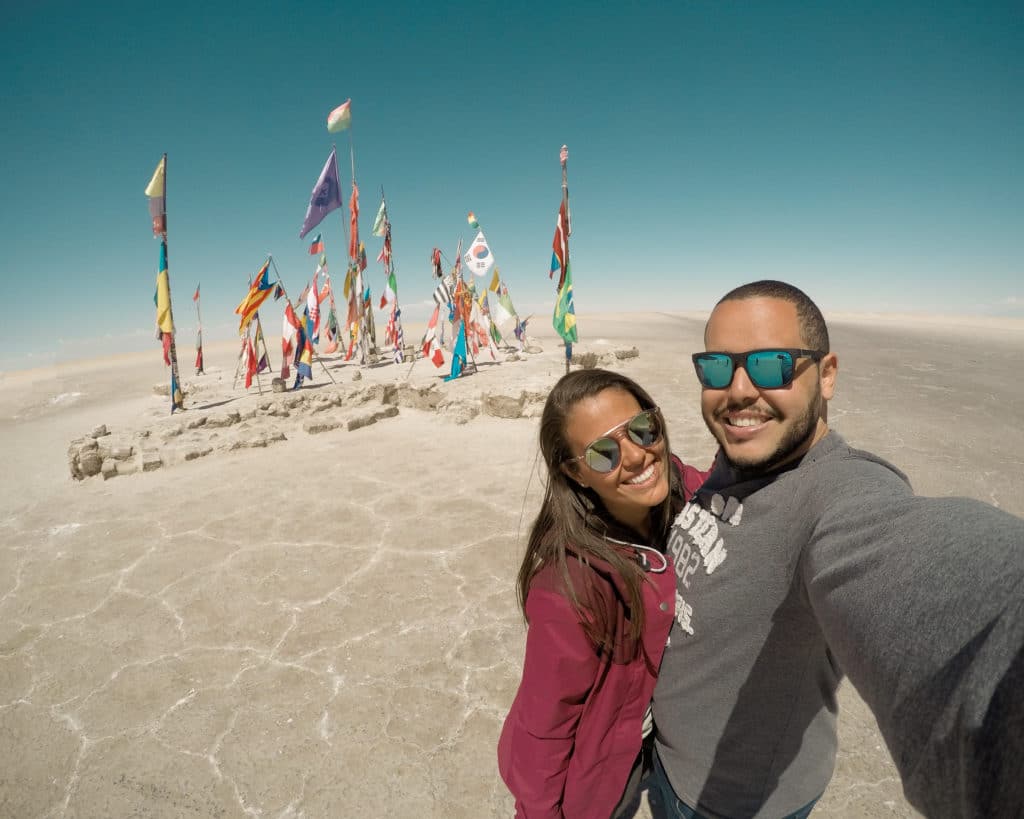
(176, 402)
(199, 325)
(564, 158)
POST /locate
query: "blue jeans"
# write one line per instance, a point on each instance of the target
(660, 791)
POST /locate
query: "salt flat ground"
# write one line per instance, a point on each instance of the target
(327, 626)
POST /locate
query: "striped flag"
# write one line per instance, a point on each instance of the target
(259, 291)
(317, 246)
(163, 296)
(340, 118)
(390, 295)
(442, 295)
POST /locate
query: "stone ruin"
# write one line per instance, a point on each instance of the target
(197, 433)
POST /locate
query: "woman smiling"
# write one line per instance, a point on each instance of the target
(598, 594)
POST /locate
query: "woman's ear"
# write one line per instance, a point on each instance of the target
(571, 471)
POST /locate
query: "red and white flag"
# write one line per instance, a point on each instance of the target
(431, 345)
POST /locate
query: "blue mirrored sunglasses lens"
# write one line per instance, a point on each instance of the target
(602, 455)
(715, 371)
(770, 368)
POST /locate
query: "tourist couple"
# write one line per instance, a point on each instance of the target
(728, 605)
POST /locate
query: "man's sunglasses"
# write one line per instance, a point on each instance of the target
(767, 369)
(604, 453)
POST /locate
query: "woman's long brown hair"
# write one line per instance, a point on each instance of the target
(573, 520)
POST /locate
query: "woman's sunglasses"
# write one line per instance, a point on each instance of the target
(767, 369)
(604, 454)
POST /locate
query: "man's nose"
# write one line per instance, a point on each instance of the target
(742, 388)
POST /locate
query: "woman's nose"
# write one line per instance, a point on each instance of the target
(632, 454)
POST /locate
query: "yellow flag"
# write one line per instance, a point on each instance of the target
(163, 302)
(156, 184)
(495, 281)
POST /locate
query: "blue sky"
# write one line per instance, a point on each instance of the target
(870, 153)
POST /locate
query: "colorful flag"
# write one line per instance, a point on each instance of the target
(564, 319)
(331, 329)
(304, 356)
(431, 345)
(394, 335)
(289, 331)
(473, 223)
(340, 118)
(435, 263)
(385, 249)
(353, 212)
(520, 330)
(177, 396)
(317, 246)
(264, 362)
(156, 191)
(560, 244)
(495, 281)
(326, 196)
(163, 295)
(458, 354)
(313, 312)
(479, 258)
(278, 291)
(250, 362)
(199, 351)
(380, 223)
(259, 292)
(502, 309)
(390, 295)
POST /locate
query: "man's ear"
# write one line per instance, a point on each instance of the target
(829, 372)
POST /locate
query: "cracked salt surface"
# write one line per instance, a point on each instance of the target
(327, 627)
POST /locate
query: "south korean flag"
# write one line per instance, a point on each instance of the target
(479, 258)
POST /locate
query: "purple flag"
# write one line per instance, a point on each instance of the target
(326, 195)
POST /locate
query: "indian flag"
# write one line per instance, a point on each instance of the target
(340, 118)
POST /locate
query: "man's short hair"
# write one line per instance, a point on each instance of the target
(812, 322)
